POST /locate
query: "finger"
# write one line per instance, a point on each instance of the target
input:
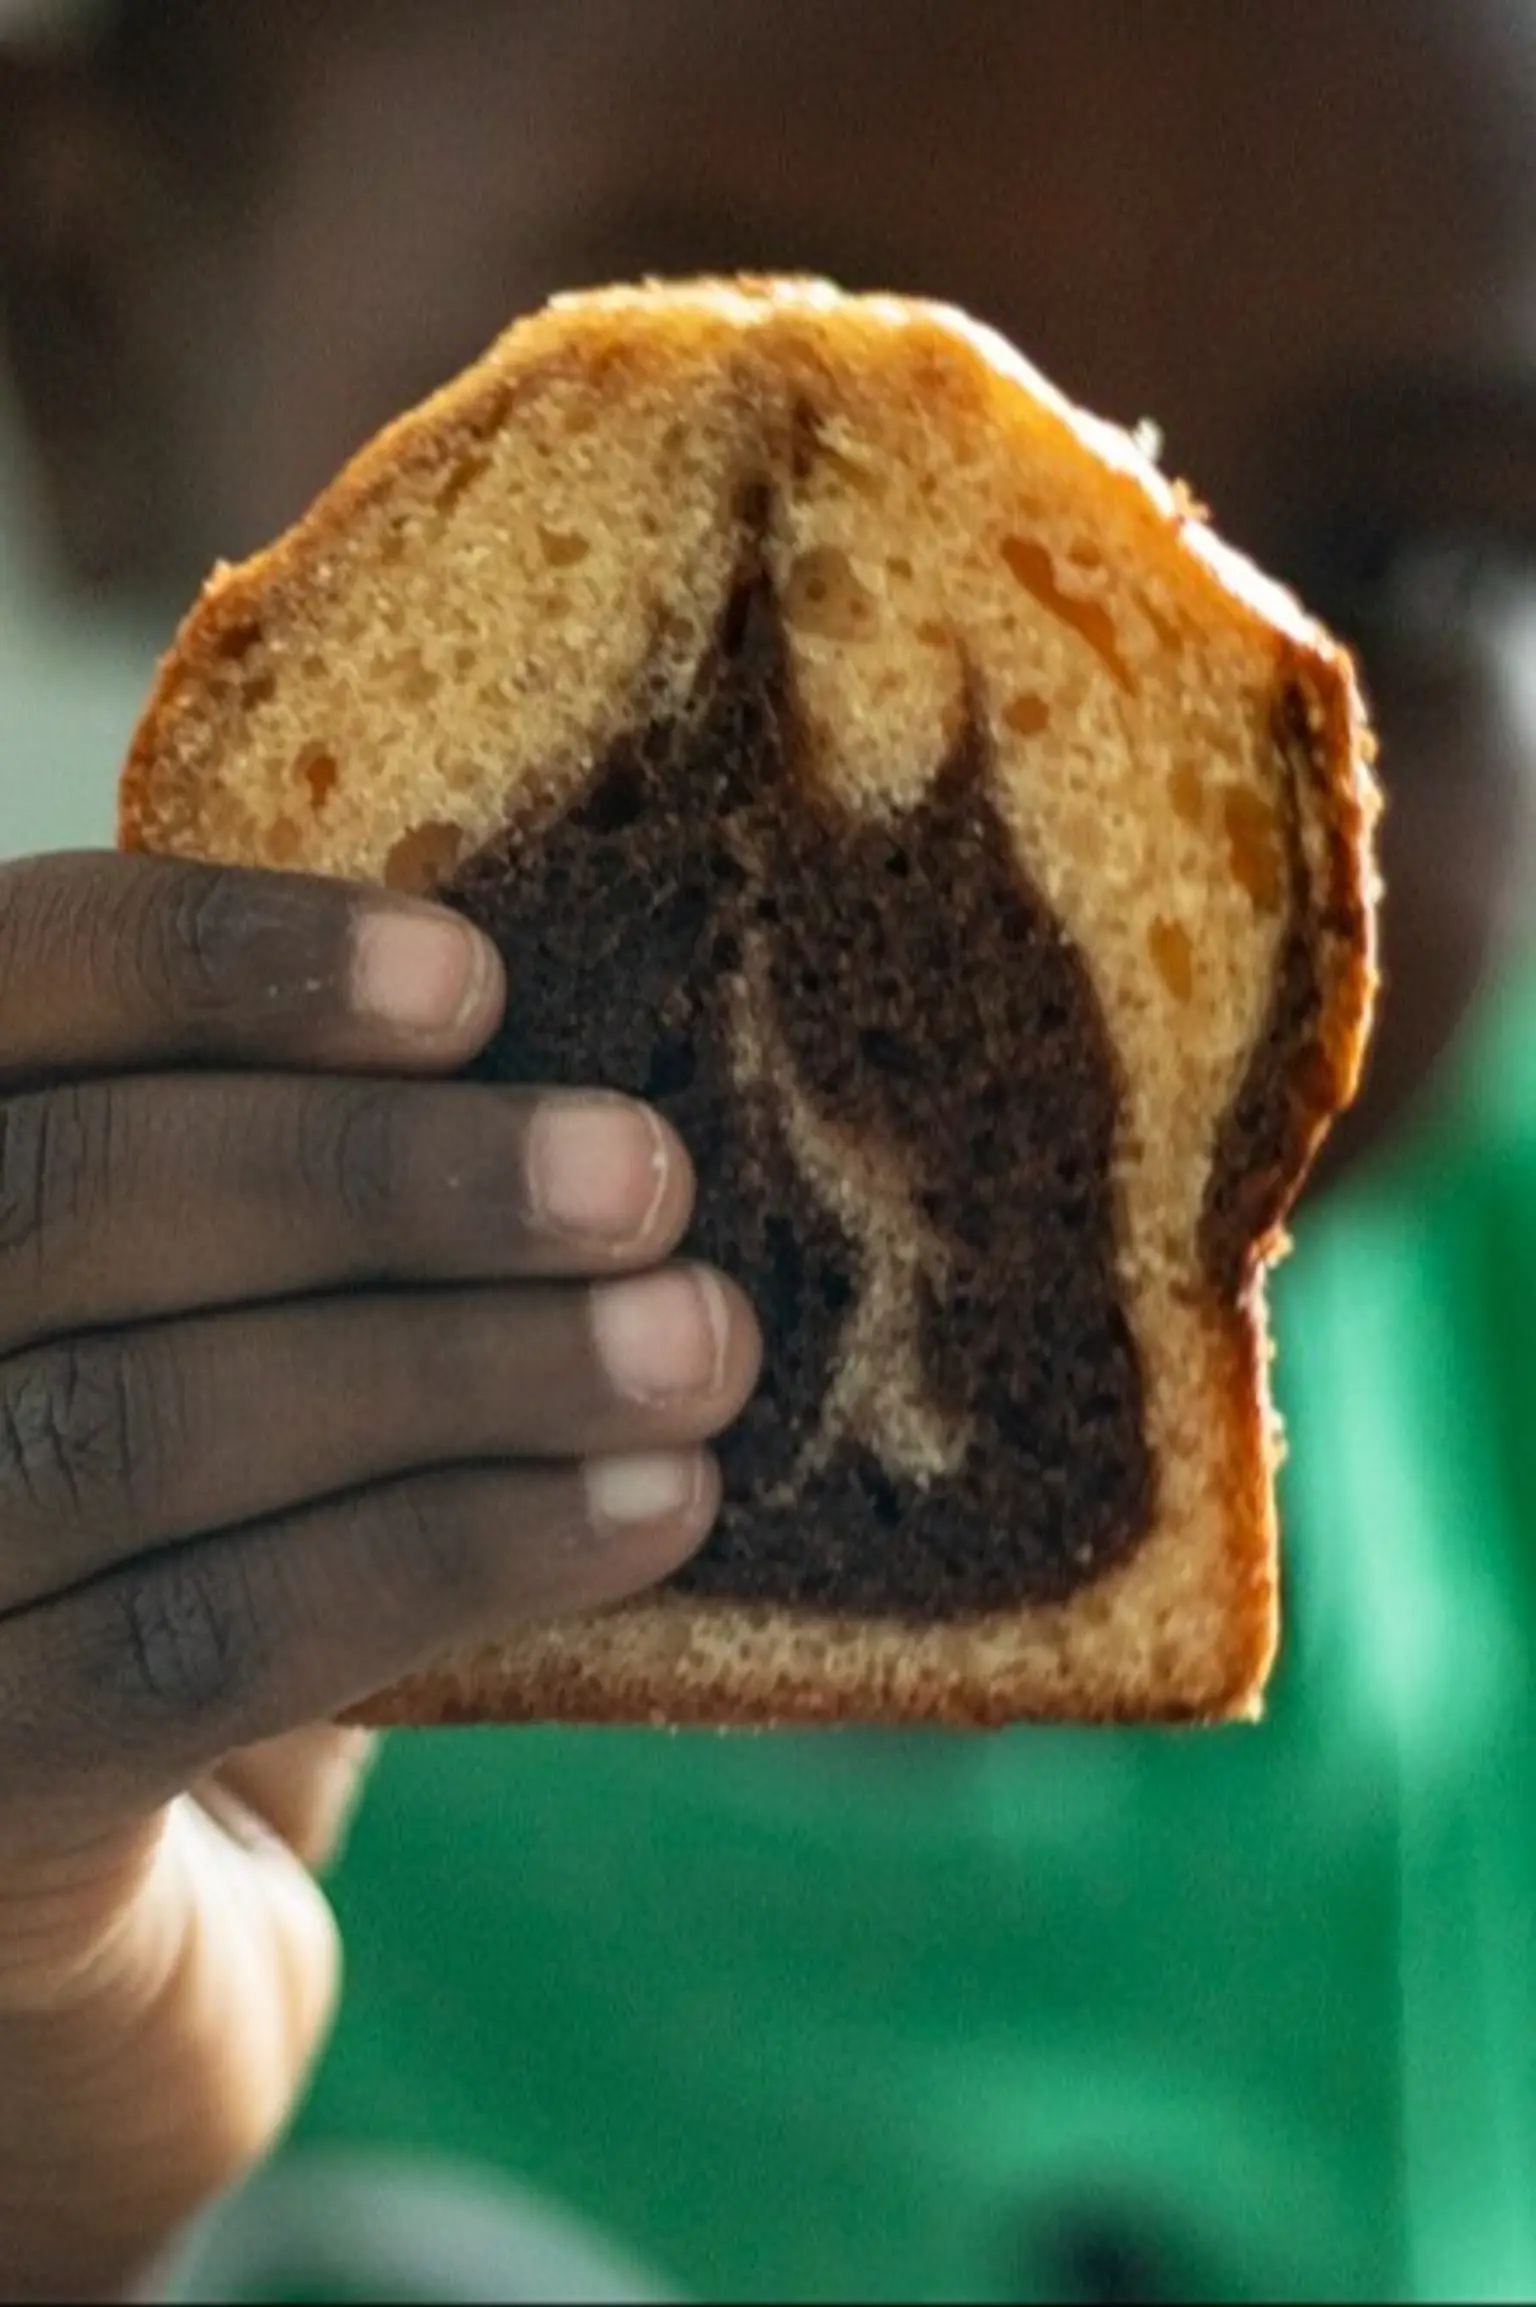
(303, 1786)
(126, 1691)
(131, 1200)
(111, 1446)
(110, 964)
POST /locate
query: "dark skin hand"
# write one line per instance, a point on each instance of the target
(311, 1366)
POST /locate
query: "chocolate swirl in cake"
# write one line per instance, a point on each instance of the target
(892, 1071)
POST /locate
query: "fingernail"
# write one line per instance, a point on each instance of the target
(425, 972)
(664, 1336)
(597, 1169)
(628, 1490)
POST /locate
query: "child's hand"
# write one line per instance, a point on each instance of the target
(303, 1376)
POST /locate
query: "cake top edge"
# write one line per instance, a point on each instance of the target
(751, 302)
(689, 315)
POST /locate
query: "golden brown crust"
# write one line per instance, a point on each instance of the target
(1107, 1655)
(1331, 752)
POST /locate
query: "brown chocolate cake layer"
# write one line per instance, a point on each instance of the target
(702, 890)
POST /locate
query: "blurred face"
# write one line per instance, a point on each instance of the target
(1299, 235)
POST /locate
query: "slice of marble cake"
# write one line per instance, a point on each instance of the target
(871, 760)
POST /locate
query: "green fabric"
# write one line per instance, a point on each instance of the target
(917, 2018)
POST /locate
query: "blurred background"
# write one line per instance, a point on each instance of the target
(1241, 2015)
(73, 676)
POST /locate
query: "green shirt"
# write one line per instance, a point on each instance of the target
(1236, 2014)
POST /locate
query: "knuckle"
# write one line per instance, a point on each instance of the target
(52, 1160)
(25, 1193)
(430, 1540)
(350, 1151)
(190, 939)
(183, 1640)
(41, 920)
(81, 1430)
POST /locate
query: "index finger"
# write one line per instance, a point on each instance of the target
(109, 964)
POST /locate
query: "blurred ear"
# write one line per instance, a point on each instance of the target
(83, 198)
